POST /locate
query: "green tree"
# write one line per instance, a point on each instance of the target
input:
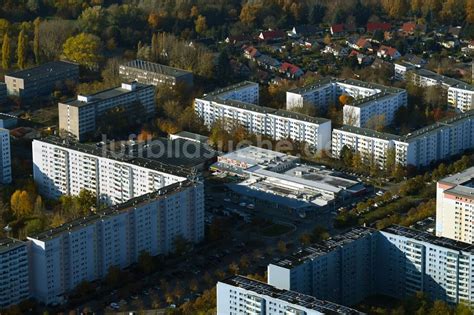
(282, 247)
(6, 52)
(146, 263)
(440, 308)
(200, 24)
(4, 26)
(224, 69)
(305, 239)
(347, 155)
(390, 160)
(36, 41)
(38, 206)
(154, 47)
(21, 204)
(93, 20)
(21, 50)
(84, 49)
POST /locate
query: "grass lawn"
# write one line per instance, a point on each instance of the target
(276, 229)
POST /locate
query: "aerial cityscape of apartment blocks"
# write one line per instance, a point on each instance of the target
(156, 74)
(78, 117)
(238, 104)
(460, 95)
(85, 249)
(5, 157)
(396, 261)
(41, 80)
(455, 206)
(435, 142)
(370, 101)
(14, 277)
(62, 167)
(240, 295)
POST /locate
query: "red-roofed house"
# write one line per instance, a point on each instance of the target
(372, 27)
(363, 43)
(291, 70)
(337, 29)
(271, 35)
(411, 27)
(388, 52)
(251, 52)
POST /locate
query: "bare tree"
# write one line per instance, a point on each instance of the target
(52, 35)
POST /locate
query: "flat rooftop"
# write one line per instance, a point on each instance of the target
(463, 183)
(179, 152)
(107, 94)
(314, 86)
(291, 297)
(310, 252)
(156, 67)
(242, 105)
(121, 157)
(217, 96)
(252, 156)
(428, 238)
(444, 79)
(44, 70)
(7, 244)
(230, 88)
(368, 132)
(300, 117)
(412, 135)
(111, 211)
(438, 125)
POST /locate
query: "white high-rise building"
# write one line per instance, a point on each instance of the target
(455, 206)
(79, 117)
(372, 103)
(373, 146)
(460, 95)
(422, 147)
(65, 168)
(237, 104)
(85, 249)
(395, 261)
(240, 295)
(5, 159)
(14, 280)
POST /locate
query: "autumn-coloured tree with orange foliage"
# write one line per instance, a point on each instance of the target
(345, 99)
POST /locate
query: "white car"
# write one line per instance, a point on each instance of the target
(114, 306)
(226, 199)
(242, 204)
(250, 206)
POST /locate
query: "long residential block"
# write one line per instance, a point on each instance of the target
(79, 117)
(371, 103)
(237, 104)
(396, 262)
(240, 295)
(63, 167)
(41, 80)
(460, 95)
(154, 73)
(439, 141)
(5, 157)
(14, 277)
(85, 249)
